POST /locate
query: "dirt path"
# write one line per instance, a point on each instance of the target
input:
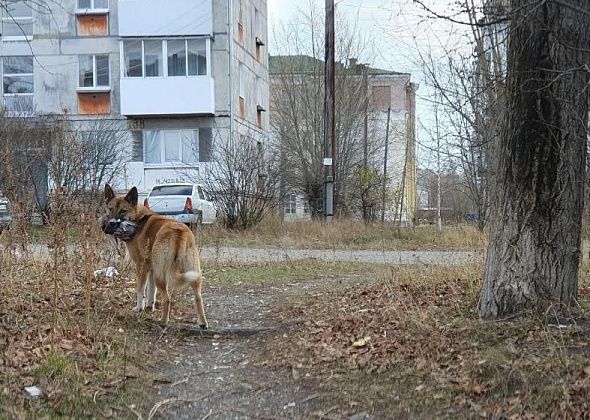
(220, 376)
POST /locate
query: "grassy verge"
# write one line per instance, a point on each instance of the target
(346, 234)
(411, 344)
(276, 273)
(67, 332)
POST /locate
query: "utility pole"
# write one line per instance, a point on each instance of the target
(329, 113)
(366, 137)
(385, 166)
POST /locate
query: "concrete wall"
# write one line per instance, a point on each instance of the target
(56, 46)
(245, 53)
(165, 18)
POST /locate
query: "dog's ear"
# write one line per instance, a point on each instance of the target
(132, 196)
(109, 194)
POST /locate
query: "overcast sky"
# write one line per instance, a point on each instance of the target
(399, 28)
(396, 25)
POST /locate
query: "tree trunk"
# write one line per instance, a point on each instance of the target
(534, 249)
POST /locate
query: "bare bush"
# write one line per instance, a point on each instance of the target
(244, 182)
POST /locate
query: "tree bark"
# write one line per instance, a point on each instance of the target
(534, 249)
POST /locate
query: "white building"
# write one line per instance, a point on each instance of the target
(176, 76)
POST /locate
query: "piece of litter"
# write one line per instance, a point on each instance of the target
(109, 272)
(361, 342)
(290, 405)
(33, 391)
(559, 326)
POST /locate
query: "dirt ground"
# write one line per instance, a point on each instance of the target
(222, 373)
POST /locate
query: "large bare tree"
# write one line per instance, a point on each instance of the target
(469, 99)
(534, 249)
(297, 108)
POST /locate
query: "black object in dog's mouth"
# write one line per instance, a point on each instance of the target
(120, 229)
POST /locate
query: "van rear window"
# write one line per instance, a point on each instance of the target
(172, 190)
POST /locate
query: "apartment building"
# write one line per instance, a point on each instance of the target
(391, 98)
(176, 77)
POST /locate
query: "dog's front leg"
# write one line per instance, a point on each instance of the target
(140, 289)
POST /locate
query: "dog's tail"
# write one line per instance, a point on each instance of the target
(185, 279)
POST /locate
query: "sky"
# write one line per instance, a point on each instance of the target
(400, 29)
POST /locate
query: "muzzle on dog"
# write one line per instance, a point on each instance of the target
(120, 229)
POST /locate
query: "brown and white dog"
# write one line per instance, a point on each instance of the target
(163, 251)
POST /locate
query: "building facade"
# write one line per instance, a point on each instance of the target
(391, 97)
(175, 77)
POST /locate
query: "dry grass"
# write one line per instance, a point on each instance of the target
(63, 330)
(277, 273)
(405, 342)
(347, 234)
(411, 343)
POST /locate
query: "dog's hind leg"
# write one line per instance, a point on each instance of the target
(196, 285)
(142, 275)
(151, 293)
(165, 304)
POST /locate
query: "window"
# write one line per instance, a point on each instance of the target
(184, 57)
(153, 59)
(132, 52)
(256, 22)
(93, 4)
(94, 71)
(242, 97)
(171, 190)
(92, 24)
(17, 21)
(171, 146)
(380, 98)
(240, 33)
(291, 204)
(259, 102)
(240, 26)
(197, 57)
(177, 58)
(242, 80)
(259, 117)
(258, 31)
(17, 83)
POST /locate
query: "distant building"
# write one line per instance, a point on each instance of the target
(388, 91)
(177, 76)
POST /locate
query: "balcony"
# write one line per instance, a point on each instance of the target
(143, 18)
(193, 95)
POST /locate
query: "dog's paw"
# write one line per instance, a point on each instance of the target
(137, 308)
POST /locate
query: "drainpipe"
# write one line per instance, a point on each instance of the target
(230, 35)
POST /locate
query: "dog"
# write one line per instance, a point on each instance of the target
(163, 250)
